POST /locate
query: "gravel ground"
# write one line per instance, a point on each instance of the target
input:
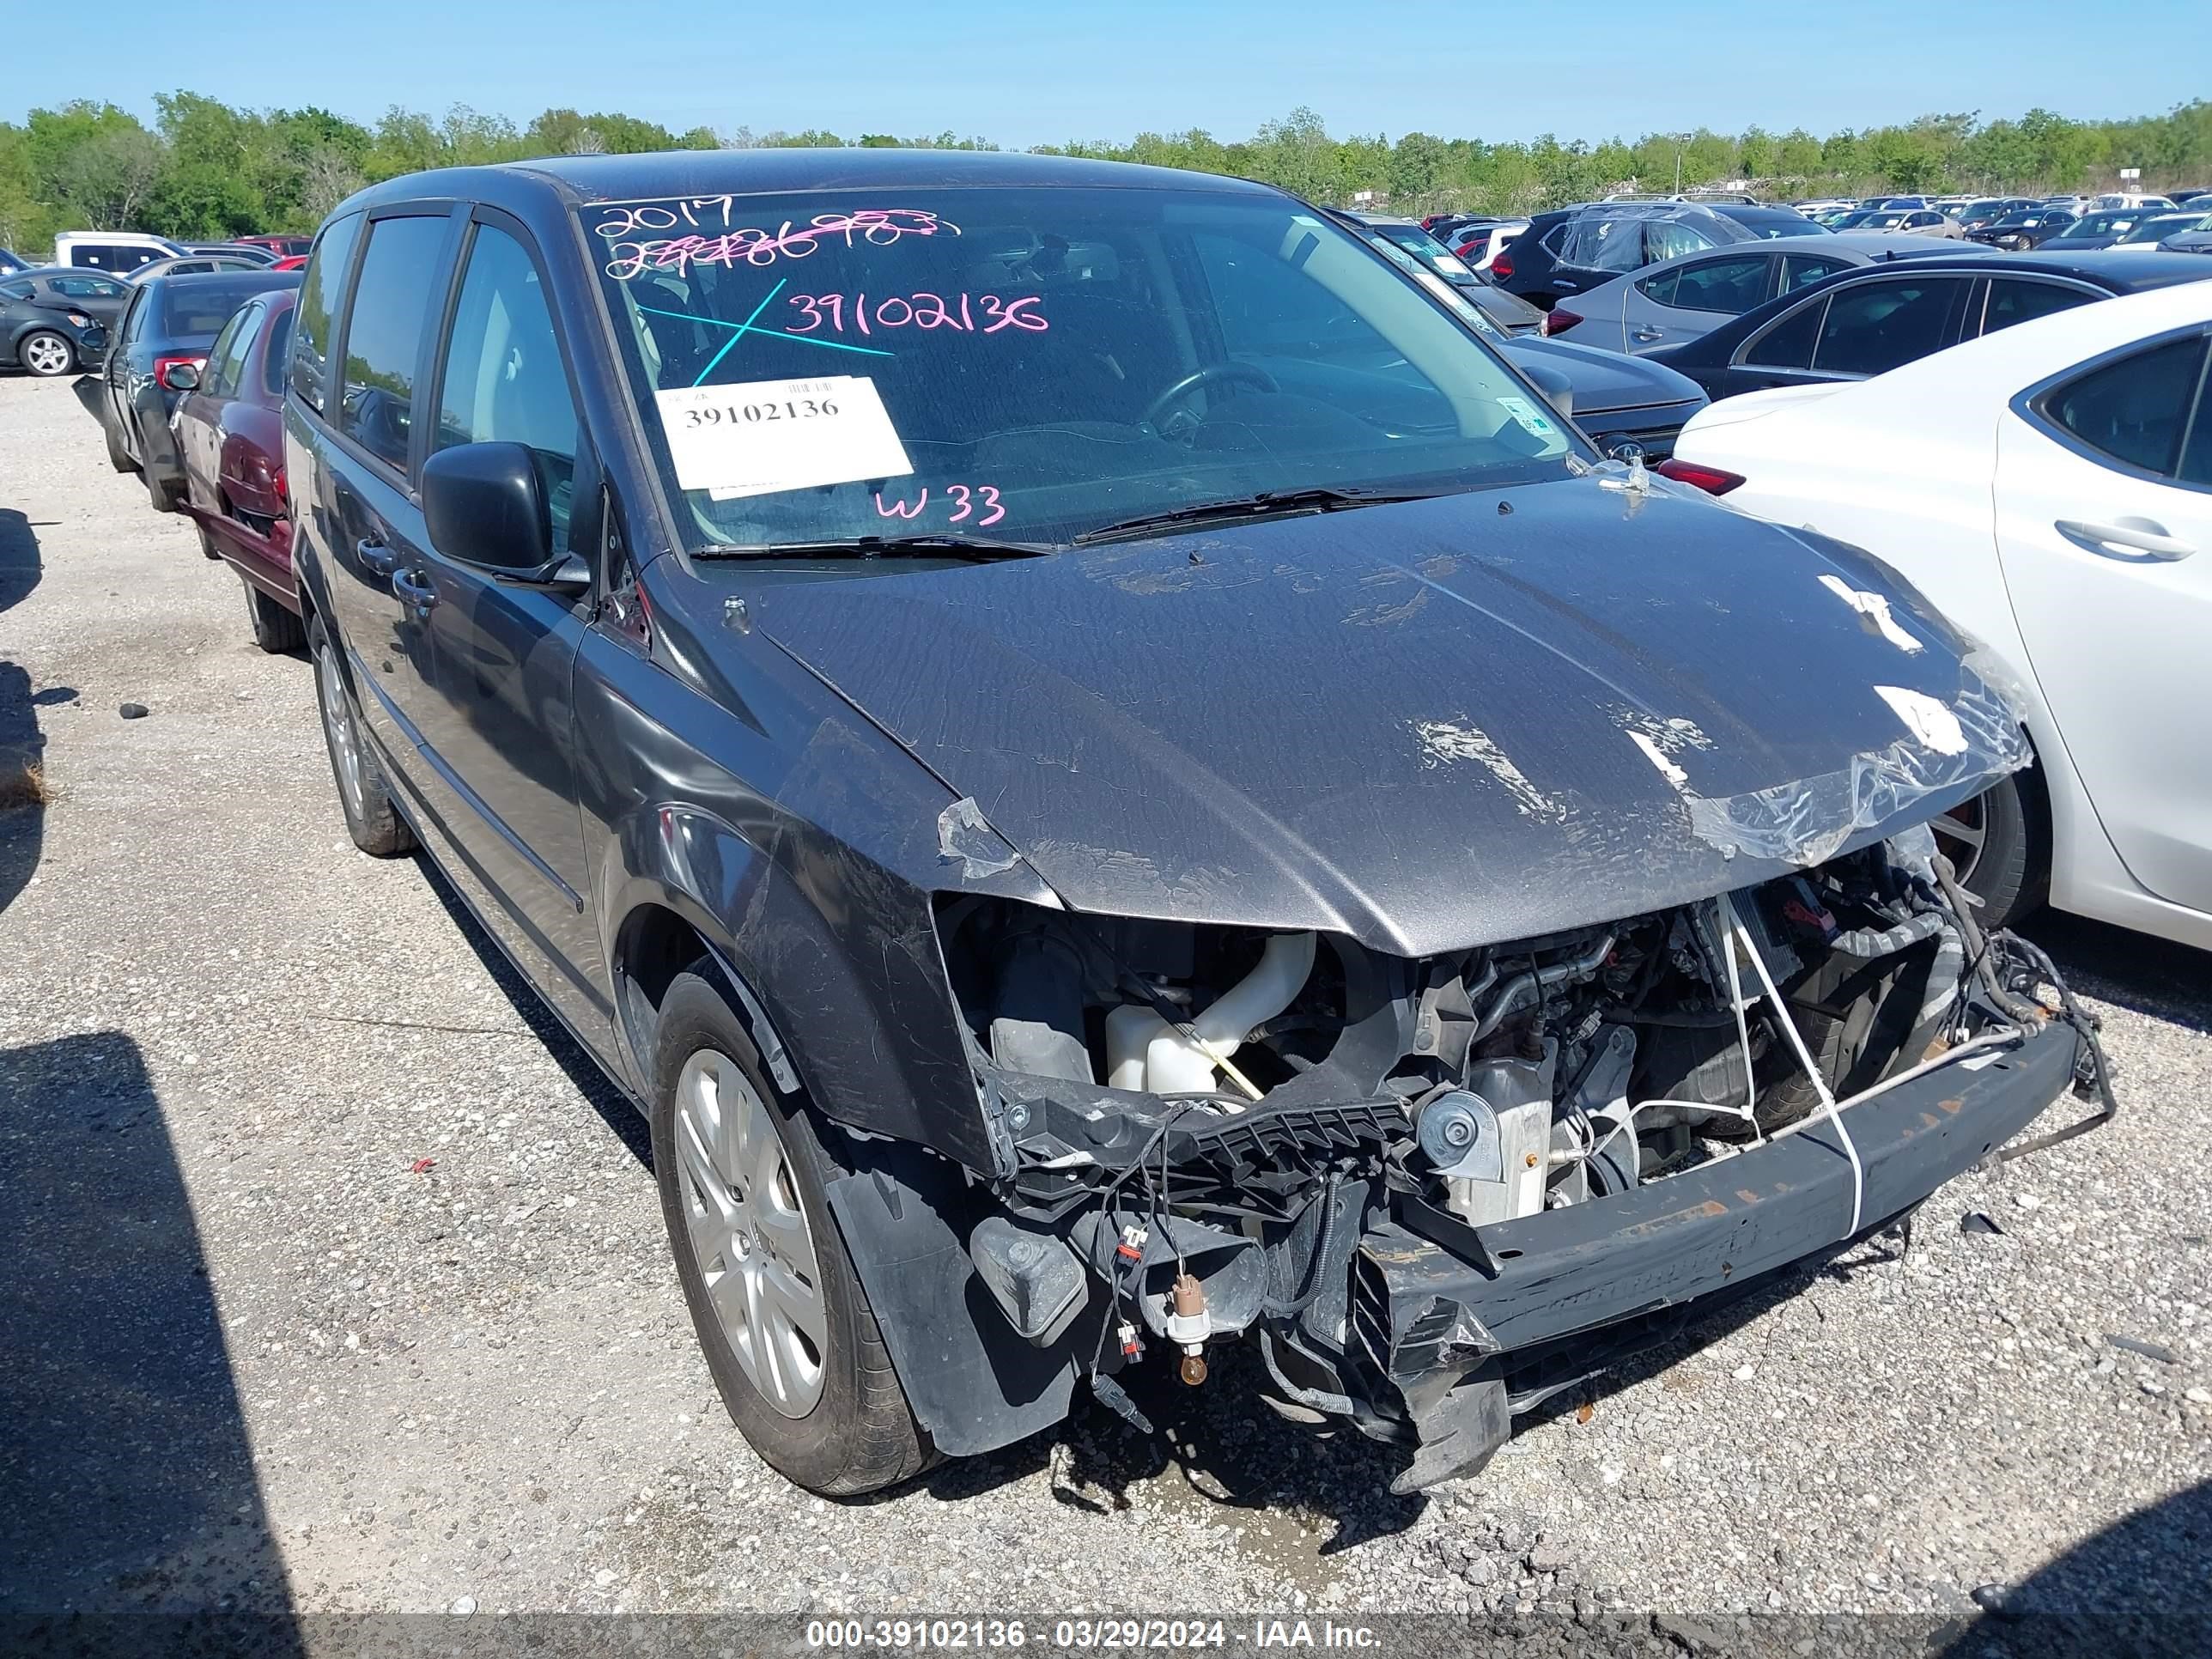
(338, 1282)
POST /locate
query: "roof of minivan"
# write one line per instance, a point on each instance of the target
(769, 171)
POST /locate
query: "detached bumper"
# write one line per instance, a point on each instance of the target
(1463, 1320)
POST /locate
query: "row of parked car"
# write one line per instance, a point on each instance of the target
(58, 317)
(1123, 769)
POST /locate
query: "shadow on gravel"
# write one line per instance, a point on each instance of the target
(2138, 1587)
(126, 1477)
(22, 747)
(2152, 976)
(609, 1101)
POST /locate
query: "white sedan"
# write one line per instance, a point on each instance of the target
(2048, 487)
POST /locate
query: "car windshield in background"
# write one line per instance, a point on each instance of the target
(1033, 365)
(199, 309)
(2105, 224)
(2158, 228)
(1426, 248)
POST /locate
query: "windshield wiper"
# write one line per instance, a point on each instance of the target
(1321, 499)
(917, 546)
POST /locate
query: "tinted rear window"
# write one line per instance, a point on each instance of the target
(279, 351)
(198, 311)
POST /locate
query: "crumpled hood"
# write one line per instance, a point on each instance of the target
(1428, 726)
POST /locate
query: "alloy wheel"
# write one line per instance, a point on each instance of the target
(749, 1232)
(338, 730)
(47, 354)
(1960, 835)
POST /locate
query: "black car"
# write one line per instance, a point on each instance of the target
(2101, 228)
(2024, 229)
(1861, 322)
(55, 321)
(1109, 780)
(1991, 209)
(1570, 249)
(160, 347)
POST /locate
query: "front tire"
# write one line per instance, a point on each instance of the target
(776, 1301)
(1991, 842)
(47, 354)
(370, 819)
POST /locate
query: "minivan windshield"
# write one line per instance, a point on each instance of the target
(1037, 365)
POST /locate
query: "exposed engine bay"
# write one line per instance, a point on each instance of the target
(1213, 1131)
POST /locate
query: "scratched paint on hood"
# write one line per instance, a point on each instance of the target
(1255, 718)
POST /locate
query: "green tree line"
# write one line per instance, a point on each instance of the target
(204, 170)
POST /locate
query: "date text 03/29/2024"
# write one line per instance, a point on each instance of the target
(1094, 1633)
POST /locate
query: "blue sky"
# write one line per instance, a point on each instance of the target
(1043, 73)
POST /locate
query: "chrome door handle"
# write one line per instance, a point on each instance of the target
(414, 591)
(375, 556)
(2144, 536)
(1647, 332)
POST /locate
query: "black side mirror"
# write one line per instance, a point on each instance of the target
(483, 504)
(181, 377)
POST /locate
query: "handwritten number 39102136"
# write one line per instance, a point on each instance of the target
(924, 311)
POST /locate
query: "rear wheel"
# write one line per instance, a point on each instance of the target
(776, 1301)
(370, 819)
(46, 353)
(274, 628)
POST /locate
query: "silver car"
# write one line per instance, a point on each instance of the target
(1681, 298)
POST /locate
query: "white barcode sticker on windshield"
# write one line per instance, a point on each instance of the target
(756, 437)
(1524, 413)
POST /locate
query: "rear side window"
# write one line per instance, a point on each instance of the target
(318, 296)
(14, 290)
(385, 326)
(89, 287)
(228, 353)
(1877, 325)
(273, 359)
(1606, 244)
(504, 381)
(2137, 410)
(2019, 300)
(1799, 269)
(112, 258)
(1789, 344)
(1734, 286)
(1666, 239)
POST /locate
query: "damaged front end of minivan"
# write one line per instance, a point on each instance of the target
(1434, 1192)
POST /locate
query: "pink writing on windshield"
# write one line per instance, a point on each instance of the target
(754, 245)
(965, 500)
(976, 314)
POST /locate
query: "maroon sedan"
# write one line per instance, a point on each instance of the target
(230, 438)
